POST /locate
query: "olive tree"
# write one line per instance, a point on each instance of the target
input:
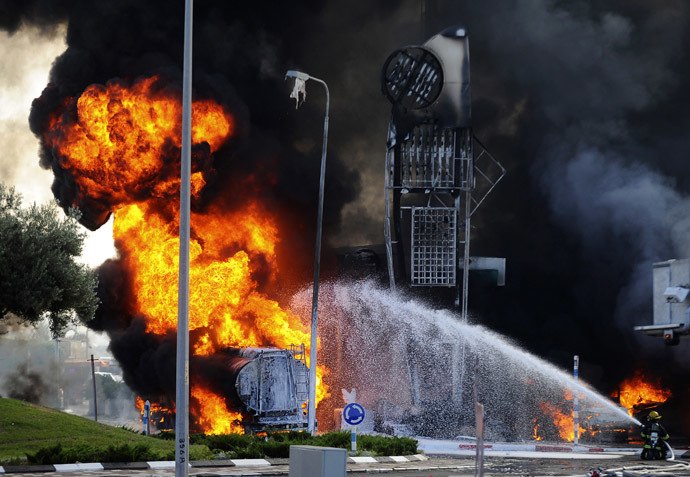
(40, 276)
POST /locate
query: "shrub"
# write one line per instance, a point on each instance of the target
(340, 439)
(127, 453)
(252, 451)
(165, 435)
(291, 436)
(46, 455)
(199, 453)
(277, 448)
(277, 444)
(381, 445)
(224, 442)
(122, 453)
(170, 455)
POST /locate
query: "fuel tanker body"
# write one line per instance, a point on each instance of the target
(268, 386)
(271, 385)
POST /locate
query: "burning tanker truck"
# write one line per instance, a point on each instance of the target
(268, 389)
(271, 387)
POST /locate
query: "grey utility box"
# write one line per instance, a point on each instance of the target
(312, 461)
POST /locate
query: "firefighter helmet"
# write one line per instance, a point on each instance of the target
(653, 416)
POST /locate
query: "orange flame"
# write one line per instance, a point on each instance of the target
(157, 412)
(120, 151)
(223, 297)
(535, 432)
(155, 407)
(215, 417)
(640, 389)
(121, 135)
(564, 422)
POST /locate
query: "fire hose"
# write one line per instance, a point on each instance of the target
(647, 470)
(673, 456)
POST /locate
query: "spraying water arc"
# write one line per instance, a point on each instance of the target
(511, 381)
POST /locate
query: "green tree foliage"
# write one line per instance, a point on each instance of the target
(39, 276)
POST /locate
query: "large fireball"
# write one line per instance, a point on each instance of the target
(121, 145)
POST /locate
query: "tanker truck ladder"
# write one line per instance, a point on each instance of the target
(301, 372)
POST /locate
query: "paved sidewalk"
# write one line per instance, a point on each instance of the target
(247, 467)
(461, 466)
(453, 457)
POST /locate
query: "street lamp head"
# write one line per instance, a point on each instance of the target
(299, 91)
(297, 75)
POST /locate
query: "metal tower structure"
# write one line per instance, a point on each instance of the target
(437, 172)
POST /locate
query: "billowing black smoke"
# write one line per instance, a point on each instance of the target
(241, 53)
(572, 105)
(585, 104)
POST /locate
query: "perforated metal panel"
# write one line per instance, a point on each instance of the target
(434, 259)
(427, 158)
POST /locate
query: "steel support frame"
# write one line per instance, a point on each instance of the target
(411, 168)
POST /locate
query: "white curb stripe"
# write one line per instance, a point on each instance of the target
(2, 470)
(161, 464)
(364, 460)
(399, 458)
(76, 467)
(250, 462)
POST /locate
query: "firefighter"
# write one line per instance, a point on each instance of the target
(654, 436)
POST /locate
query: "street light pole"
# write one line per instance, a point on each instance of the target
(300, 79)
(182, 378)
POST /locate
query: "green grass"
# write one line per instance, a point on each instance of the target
(25, 428)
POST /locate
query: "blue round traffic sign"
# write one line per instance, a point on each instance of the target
(353, 414)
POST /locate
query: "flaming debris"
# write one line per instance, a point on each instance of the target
(596, 423)
(563, 421)
(639, 390)
(536, 435)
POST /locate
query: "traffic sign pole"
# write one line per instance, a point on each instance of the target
(353, 414)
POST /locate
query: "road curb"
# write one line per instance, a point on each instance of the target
(199, 464)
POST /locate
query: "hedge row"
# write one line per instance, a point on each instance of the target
(122, 453)
(229, 446)
(277, 444)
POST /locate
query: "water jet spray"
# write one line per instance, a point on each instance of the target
(511, 381)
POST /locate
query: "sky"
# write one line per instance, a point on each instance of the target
(27, 56)
(23, 78)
